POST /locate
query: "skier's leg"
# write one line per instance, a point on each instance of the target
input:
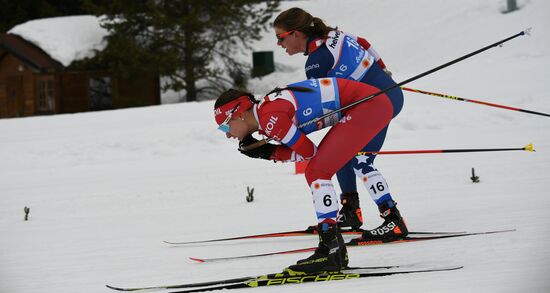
(393, 225)
(339, 145)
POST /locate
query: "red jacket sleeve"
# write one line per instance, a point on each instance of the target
(276, 121)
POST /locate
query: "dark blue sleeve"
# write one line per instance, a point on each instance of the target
(318, 63)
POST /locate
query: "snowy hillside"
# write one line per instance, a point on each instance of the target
(106, 188)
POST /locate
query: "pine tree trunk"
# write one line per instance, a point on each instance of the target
(191, 89)
(189, 68)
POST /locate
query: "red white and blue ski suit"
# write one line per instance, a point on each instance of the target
(280, 113)
(344, 55)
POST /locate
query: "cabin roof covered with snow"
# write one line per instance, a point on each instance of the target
(64, 39)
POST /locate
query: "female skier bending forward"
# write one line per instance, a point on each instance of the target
(278, 116)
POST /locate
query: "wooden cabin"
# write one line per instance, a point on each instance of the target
(32, 83)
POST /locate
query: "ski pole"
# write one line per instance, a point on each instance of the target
(527, 31)
(473, 101)
(314, 120)
(528, 148)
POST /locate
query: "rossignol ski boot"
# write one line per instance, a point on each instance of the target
(330, 256)
(350, 214)
(393, 227)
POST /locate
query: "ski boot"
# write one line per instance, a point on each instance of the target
(394, 226)
(350, 213)
(330, 256)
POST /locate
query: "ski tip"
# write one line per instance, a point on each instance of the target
(174, 243)
(180, 243)
(447, 268)
(199, 260)
(439, 269)
(456, 267)
(114, 288)
(504, 231)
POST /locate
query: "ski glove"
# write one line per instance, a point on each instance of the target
(263, 152)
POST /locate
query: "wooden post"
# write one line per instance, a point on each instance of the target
(27, 211)
(512, 5)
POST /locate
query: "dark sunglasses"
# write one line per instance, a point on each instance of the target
(281, 37)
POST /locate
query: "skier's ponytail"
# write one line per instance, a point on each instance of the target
(297, 19)
(319, 28)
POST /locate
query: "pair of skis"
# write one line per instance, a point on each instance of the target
(412, 237)
(278, 279)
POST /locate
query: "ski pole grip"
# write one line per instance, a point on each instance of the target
(252, 146)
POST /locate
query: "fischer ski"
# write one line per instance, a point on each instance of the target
(353, 243)
(233, 280)
(282, 279)
(306, 232)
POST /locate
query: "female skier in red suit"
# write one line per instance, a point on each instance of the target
(279, 116)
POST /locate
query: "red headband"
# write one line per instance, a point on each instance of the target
(223, 111)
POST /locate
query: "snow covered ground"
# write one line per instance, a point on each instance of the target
(105, 188)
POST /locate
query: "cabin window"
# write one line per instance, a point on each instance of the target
(100, 93)
(46, 99)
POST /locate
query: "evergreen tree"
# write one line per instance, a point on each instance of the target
(190, 43)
